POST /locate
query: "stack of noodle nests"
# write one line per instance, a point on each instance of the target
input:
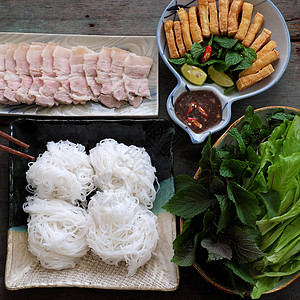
(99, 201)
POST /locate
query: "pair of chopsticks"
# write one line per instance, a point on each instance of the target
(17, 142)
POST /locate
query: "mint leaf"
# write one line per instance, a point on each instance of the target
(232, 58)
(245, 63)
(246, 203)
(177, 61)
(197, 50)
(185, 236)
(241, 271)
(250, 53)
(184, 257)
(225, 42)
(227, 212)
(238, 137)
(182, 181)
(253, 119)
(216, 250)
(221, 66)
(189, 202)
(245, 248)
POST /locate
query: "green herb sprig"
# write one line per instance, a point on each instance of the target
(235, 214)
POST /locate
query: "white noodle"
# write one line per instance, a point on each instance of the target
(117, 165)
(56, 232)
(61, 172)
(119, 229)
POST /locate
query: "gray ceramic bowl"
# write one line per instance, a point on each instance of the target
(274, 21)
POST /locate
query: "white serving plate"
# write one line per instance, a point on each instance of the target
(274, 21)
(140, 45)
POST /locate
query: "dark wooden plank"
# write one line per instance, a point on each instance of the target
(117, 17)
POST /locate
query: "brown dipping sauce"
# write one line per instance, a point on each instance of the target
(199, 110)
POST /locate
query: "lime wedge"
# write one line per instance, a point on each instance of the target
(193, 74)
(219, 78)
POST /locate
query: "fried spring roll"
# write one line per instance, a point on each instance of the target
(260, 63)
(178, 38)
(251, 79)
(233, 17)
(261, 40)
(213, 17)
(223, 15)
(194, 25)
(254, 28)
(203, 16)
(245, 21)
(185, 28)
(168, 26)
(270, 46)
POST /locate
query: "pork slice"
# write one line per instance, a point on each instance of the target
(35, 59)
(90, 70)
(80, 91)
(22, 95)
(62, 95)
(118, 56)
(3, 100)
(136, 101)
(22, 65)
(3, 50)
(136, 87)
(118, 88)
(104, 60)
(47, 58)
(10, 63)
(34, 90)
(13, 82)
(111, 102)
(61, 61)
(77, 59)
(46, 92)
(137, 66)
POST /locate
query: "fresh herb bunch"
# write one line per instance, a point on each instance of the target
(228, 55)
(233, 210)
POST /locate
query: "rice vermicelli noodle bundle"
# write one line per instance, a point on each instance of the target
(119, 229)
(117, 165)
(62, 172)
(56, 232)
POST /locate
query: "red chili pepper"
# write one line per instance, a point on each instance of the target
(202, 111)
(191, 107)
(194, 122)
(208, 50)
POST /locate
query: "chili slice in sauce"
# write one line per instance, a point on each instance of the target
(199, 110)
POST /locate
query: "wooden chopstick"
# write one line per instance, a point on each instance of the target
(15, 152)
(14, 140)
(17, 142)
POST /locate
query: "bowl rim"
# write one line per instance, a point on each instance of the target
(195, 265)
(227, 98)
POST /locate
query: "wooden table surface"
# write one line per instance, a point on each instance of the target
(117, 17)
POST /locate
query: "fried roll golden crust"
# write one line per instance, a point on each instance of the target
(245, 21)
(185, 28)
(194, 25)
(203, 16)
(168, 26)
(254, 28)
(251, 79)
(213, 17)
(233, 17)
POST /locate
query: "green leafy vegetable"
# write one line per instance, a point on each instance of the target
(242, 212)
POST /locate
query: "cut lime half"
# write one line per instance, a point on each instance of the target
(219, 78)
(193, 74)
